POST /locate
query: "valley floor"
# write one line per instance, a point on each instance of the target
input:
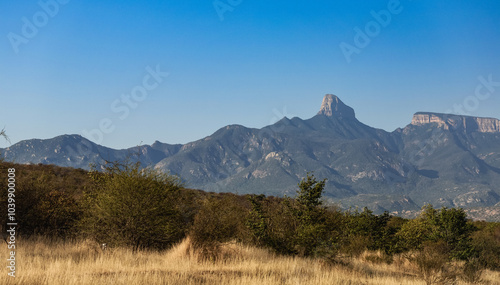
(56, 263)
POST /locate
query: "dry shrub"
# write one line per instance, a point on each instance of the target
(331, 261)
(404, 262)
(356, 246)
(200, 252)
(208, 252)
(472, 271)
(433, 264)
(377, 257)
(183, 249)
(486, 242)
(223, 253)
(220, 220)
(86, 248)
(218, 252)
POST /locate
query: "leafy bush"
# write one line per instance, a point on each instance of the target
(364, 230)
(296, 226)
(486, 245)
(271, 224)
(220, 219)
(46, 199)
(355, 245)
(134, 207)
(447, 225)
(413, 234)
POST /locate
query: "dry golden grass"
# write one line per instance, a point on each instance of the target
(56, 263)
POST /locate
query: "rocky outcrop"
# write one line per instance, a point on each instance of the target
(333, 106)
(466, 123)
(420, 119)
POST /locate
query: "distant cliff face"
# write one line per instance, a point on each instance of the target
(468, 124)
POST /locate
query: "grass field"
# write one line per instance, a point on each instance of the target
(40, 261)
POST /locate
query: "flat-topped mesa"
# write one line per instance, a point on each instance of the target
(332, 106)
(467, 123)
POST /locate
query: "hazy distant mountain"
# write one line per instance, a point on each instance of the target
(78, 152)
(446, 160)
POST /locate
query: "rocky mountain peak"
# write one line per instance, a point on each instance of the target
(332, 106)
(466, 123)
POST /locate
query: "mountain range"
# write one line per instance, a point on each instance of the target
(442, 159)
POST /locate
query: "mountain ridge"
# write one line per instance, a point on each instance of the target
(446, 160)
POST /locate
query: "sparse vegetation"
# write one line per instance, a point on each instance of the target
(55, 262)
(228, 238)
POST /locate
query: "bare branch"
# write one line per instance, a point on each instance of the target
(4, 135)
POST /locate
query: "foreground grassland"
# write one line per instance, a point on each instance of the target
(40, 261)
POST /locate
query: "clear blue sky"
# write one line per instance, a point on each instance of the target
(249, 63)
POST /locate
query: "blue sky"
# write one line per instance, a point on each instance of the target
(66, 65)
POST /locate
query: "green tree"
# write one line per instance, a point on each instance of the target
(365, 230)
(310, 192)
(134, 207)
(257, 222)
(447, 225)
(272, 223)
(312, 232)
(295, 226)
(454, 228)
